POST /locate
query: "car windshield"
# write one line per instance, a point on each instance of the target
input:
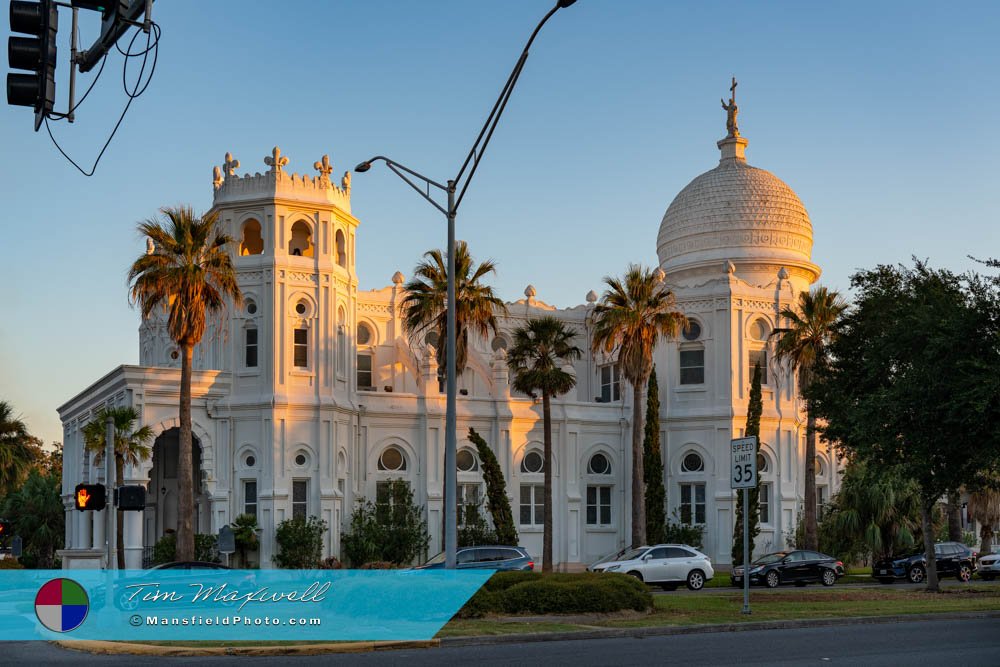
(770, 558)
(632, 554)
(437, 559)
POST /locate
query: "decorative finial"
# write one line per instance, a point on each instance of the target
(345, 182)
(591, 296)
(730, 267)
(782, 273)
(397, 278)
(731, 111)
(530, 292)
(275, 160)
(216, 177)
(660, 275)
(323, 167)
(150, 246)
(230, 165)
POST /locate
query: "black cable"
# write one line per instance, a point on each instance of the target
(61, 116)
(136, 92)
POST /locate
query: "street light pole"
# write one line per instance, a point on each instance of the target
(451, 189)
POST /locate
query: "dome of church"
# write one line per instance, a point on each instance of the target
(735, 212)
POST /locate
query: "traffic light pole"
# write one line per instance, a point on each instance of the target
(109, 478)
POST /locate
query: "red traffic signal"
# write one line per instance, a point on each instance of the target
(6, 529)
(90, 497)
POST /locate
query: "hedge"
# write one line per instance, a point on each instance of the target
(557, 593)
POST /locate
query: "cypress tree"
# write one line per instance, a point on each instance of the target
(754, 410)
(652, 467)
(496, 492)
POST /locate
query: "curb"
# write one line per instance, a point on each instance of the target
(638, 633)
(99, 647)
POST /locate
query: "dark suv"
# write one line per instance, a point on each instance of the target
(952, 558)
(486, 558)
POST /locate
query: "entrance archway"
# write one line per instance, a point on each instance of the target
(161, 501)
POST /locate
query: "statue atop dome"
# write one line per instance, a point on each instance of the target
(731, 111)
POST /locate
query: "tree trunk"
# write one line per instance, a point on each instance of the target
(954, 516)
(185, 469)
(547, 518)
(638, 487)
(809, 506)
(926, 519)
(986, 538)
(119, 480)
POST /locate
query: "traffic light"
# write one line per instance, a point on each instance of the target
(6, 529)
(117, 16)
(36, 54)
(90, 497)
(131, 498)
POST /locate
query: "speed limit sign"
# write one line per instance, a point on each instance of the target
(743, 470)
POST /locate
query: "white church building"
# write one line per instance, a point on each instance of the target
(311, 396)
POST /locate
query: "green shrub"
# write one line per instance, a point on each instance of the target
(10, 564)
(475, 530)
(300, 543)
(392, 529)
(558, 593)
(496, 492)
(245, 533)
(682, 533)
(165, 549)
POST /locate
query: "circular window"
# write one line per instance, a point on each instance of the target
(820, 471)
(692, 463)
(174, 354)
(692, 331)
(466, 462)
(532, 462)
(391, 459)
(499, 343)
(250, 460)
(251, 307)
(761, 463)
(760, 330)
(431, 338)
(599, 465)
(300, 459)
(364, 334)
(300, 308)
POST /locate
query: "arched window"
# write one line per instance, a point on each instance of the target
(532, 506)
(692, 462)
(251, 243)
(533, 462)
(341, 248)
(760, 329)
(599, 465)
(301, 244)
(466, 461)
(392, 460)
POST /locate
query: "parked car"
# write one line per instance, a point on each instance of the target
(667, 565)
(953, 558)
(487, 558)
(989, 566)
(190, 565)
(799, 567)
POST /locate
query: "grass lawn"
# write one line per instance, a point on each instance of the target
(787, 604)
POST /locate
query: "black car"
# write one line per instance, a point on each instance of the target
(798, 567)
(497, 557)
(953, 558)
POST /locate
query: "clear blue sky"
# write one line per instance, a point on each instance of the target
(881, 116)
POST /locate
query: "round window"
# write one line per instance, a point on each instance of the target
(760, 330)
(250, 460)
(465, 461)
(300, 459)
(599, 464)
(392, 459)
(499, 343)
(174, 354)
(431, 338)
(251, 307)
(532, 462)
(692, 331)
(692, 463)
(761, 463)
(364, 334)
(300, 308)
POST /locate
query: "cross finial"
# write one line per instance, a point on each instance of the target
(230, 166)
(324, 168)
(275, 160)
(732, 89)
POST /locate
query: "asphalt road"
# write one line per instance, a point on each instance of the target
(949, 582)
(953, 642)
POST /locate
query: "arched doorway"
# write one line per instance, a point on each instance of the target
(161, 501)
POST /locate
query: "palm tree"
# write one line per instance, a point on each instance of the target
(812, 325)
(18, 449)
(131, 447)
(188, 272)
(634, 313)
(424, 304)
(984, 507)
(540, 350)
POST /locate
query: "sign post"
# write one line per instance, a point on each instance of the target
(744, 476)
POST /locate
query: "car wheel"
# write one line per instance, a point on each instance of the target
(964, 572)
(669, 587)
(916, 574)
(772, 580)
(829, 577)
(637, 575)
(696, 580)
(886, 580)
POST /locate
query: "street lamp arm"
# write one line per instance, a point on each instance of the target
(399, 170)
(477, 150)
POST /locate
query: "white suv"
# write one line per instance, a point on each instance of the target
(667, 565)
